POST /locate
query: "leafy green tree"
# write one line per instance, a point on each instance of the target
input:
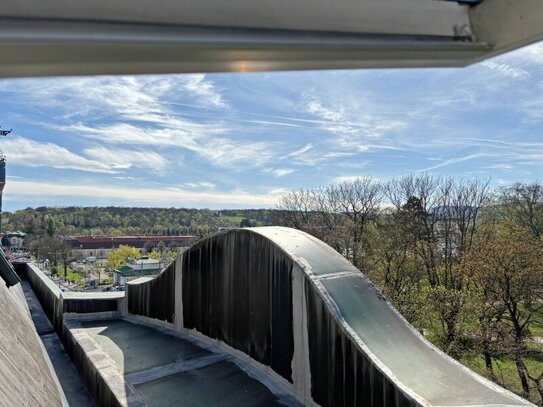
(51, 228)
(396, 269)
(508, 265)
(245, 223)
(155, 254)
(5, 241)
(161, 247)
(116, 258)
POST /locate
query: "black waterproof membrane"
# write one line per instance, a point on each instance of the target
(155, 298)
(7, 272)
(237, 288)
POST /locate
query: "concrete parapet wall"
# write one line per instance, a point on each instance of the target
(65, 308)
(48, 294)
(26, 375)
(85, 357)
(57, 303)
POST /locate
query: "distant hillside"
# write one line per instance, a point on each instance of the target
(133, 221)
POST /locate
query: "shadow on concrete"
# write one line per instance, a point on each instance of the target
(158, 369)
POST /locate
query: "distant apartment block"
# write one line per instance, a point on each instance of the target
(133, 269)
(13, 240)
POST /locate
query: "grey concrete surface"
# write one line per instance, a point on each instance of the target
(25, 375)
(42, 324)
(157, 369)
(220, 383)
(72, 385)
(75, 391)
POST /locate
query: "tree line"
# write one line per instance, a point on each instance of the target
(461, 261)
(52, 221)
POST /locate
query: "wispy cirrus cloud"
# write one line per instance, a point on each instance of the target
(352, 125)
(126, 159)
(310, 155)
(506, 70)
(457, 160)
(138, 111)
(278, 172)
(30, 153)
(201, 184)
(119, 97)
(205, 140)
(204, 90)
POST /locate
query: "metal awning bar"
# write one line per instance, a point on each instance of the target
(29, 48)
(75, 37)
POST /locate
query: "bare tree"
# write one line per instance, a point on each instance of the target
(359, 202)
(416, 198)
(297, 210)
(396, 269)
(331, 221)
(524, 202)
(337, 214)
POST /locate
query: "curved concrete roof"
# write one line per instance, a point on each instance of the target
(409, 360)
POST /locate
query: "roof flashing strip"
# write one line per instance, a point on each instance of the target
(7, 272)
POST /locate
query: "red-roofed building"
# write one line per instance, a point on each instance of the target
(100, 246)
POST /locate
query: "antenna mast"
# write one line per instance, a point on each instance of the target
(2, 172)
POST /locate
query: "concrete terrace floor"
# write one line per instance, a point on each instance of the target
(145, 366)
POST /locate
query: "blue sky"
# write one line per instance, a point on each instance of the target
(242, 140)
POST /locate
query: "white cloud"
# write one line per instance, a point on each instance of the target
(499, 167)
(353, 125)
(301, 151)
(204, 140)
(317, 109)
(309, 155)
(278, 172)
(203, 184)
(278, 191)
(177, 197)
(233, 153)
(185, 135)
(506, 70)
(125, 159)
(205, 90)
(30, 153)
(138, 111)
(457, 160)
(122, 97)
(532, 53)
